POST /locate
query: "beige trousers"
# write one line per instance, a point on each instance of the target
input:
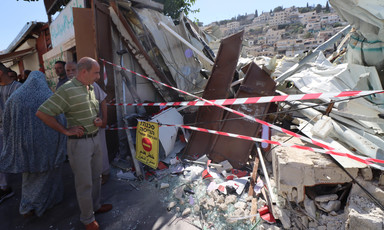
(85, 158)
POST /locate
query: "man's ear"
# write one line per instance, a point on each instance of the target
(83, 71)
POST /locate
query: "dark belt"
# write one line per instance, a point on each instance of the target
(84, 136)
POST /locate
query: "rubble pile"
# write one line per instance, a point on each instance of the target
(188, 196)
(227, 140)
(230, 141)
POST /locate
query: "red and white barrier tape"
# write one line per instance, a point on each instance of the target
(257, 100)
(306, 139)
(361, 159)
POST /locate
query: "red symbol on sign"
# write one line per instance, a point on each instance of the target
(147, 144)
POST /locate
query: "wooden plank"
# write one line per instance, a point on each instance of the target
(253, 177)
(84, 33)
(254, 209)
(251, 191)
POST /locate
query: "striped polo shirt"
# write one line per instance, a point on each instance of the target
(78, 104)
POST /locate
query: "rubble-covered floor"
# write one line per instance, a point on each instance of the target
(187, 197)
(133, 209)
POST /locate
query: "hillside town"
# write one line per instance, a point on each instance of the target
(282, 31)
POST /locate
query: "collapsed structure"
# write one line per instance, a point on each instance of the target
(312, 123)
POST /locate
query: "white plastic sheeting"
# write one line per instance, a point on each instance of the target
(322, 76)
(365, 16)
(366, 46)
(180, 59)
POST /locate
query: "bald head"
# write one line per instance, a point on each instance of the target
(71, 69)
(88, 70)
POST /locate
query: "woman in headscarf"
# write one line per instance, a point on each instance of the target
(32, 148)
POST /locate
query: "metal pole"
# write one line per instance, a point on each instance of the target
(162, 24)
(273, 199)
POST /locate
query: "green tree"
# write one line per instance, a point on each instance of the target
(318, 8)
(337, 24)
(278, 9)
(327, 7)
(256, 14)
(308, 35)
(174, 8)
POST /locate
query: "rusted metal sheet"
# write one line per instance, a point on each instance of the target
(84, 33)
(217, 88)
(257, 83)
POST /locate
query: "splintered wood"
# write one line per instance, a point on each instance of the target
(251, 191)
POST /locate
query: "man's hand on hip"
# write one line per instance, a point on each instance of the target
(75, 131)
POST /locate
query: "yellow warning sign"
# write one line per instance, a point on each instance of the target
(147, 143)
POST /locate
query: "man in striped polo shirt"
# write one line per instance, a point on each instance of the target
(76, 99)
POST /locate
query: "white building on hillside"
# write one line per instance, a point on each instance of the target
(272, 36)
(308, 17)
(313, 26)
(262, 19)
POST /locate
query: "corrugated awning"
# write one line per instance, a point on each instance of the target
(13, 55)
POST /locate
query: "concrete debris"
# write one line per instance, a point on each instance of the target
(305, 189)
(284, 216)
(363, 214)
(164, 185)
(333, 205)
(186, 212)
(381, 180)
(171, 205)
(241, 205)
(294, 169)
(126, 175)
(311, 225)
(310, 206)
(367, 173)
(325, 198)
(324, 153)
(231, 199)
(333, 213)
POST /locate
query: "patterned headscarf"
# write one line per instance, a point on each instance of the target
(29, 144)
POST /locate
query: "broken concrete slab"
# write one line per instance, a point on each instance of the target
(363, 214)
(367, 173)
(326, 198)
(310, 206)
(295, 169)
(371, 187)
(332, 205)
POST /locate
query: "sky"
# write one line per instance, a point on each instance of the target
(15, 14)
(216, 10)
